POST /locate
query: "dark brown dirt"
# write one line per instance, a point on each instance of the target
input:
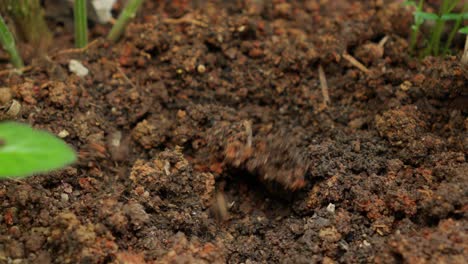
(203, 137)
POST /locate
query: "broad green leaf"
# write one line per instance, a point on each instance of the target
(464, 30)
(25, 151)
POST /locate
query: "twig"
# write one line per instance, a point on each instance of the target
(324, 85)
(185, 19)
(248, 131)
(116, 65)
(19, 71)
(383, 41)
(356, 63)
(76, 50)
(464, 59)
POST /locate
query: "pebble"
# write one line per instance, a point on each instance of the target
(201, 68)
(63, 134)
(5, 95)
(103, 9)
(77, 68)
(14, 109)
(331, 208)
(64, 197)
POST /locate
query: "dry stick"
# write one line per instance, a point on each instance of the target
(464, 59)
(356, 63)
(323, 85)
(76, 50)
(185, 19)
(12, 71)
(383, 41)
(248, 131)
(124, 76)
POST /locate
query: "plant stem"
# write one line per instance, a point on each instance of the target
(454, 30)
(127, 13)
(8, 43)
(415, 31)
(434, 42)
(81, 24)
(30, 24)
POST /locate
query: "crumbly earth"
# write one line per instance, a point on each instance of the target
(204, 137)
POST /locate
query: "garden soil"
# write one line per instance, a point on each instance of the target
(244, 132)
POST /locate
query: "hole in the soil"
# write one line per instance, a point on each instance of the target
(398, 257)
(399, 215)
(246, 194)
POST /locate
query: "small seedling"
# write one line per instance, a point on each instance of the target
(25, 151)
(433, 45)
(8, 44)
(126, 15)
(81, 23)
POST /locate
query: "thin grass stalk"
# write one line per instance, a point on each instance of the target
(128, 13)
(415, 31)
(455, 29)
(81, 23)
(8, 43)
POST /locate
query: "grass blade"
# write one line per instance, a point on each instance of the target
(81, 23)
(126, 15)
(8, 43)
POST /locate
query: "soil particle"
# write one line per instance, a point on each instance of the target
(5, 96)
(431, 244)
(400, 126)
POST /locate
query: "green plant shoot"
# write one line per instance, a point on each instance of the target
(81, 23)
(418, 21)
(434, 44)
(25, 151)
(8, 43)
(126, 15)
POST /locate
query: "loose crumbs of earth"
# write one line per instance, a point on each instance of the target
(203, 137)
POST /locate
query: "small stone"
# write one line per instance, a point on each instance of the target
(5, 95)
(181, 114)
(77, 68)
(327, 260)
(201, 68)
(255, 53)
(64, 197)
(63, 134)
(331, 208)
(103, 10)
(405, 86)
(14, 109)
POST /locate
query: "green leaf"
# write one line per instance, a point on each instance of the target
(452, 16)
(421, 16)
(25, 151)
(409, 3)
(464, 30)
